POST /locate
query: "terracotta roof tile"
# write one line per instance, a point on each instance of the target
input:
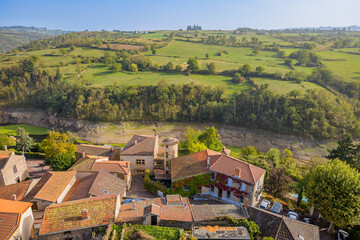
(192, 164)
(174, 199)
(121, 167)
(81, 187)
(8, 206)
(83, 164)
(19, 189)
(8, 224)
(282, 228)
(94, 150)
(50, 186)
(106, 183)
(67, 216)
(145, 145)
(152, 209)
(227, 165)
(182, 213)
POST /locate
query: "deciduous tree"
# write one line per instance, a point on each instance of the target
(334, 189)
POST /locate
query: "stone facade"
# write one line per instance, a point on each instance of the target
(73, 235)
(14, 171)
(139, 169)
(252, 196)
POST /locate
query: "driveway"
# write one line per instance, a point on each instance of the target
(137, 189)
(36, 168)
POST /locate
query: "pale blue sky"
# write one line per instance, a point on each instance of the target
(170, 14)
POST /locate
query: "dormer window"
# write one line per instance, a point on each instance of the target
(229, 182)
(14, 169)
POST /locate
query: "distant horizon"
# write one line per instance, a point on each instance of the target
(140, 15)
(184, 29)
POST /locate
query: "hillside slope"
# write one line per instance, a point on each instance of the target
(13, 37)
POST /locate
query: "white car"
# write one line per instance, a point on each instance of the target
(265, 204)
(342, 235)
(293, 215)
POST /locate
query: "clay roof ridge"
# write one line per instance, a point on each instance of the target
(252, 174)
(90, 145)
(216, 162)
(190, 208)
(82, 200)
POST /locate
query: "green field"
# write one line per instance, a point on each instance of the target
(178, 51)
(280, 86)
(11, 129)
(348, 68)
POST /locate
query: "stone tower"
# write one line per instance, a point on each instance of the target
(170, 151)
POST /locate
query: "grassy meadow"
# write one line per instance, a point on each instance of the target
(343, 62)
(12, 128)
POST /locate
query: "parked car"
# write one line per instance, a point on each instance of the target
(342, 235)
(276, 207)
(265, 204)
(293, 215)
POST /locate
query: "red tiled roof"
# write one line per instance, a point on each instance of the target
(227, 165)
(182, 213)
(67, 216)
(174, 199)
(111, 166)
(19, 189)
(152, 209)
(83, 164)
(196, 163)
(8, 224)
(94, 150)
(145, 145)
(50, 186)
(81, 187)
(192, 164)
(8, 206)
(106, 183)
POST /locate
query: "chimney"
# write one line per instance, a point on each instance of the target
(14, 197)
(238, 172)
(208, 162)
(133, 205)
(84, 214)
(83, 155)
(127, 164)
(5, 148)
(135, 142)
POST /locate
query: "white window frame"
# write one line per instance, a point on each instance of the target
(211, 177)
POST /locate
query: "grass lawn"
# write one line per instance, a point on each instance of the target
(178, 52)
(99, 76)
(349, 70)
(154, 231)
(11, 129)
(284, 87)
(234, 149)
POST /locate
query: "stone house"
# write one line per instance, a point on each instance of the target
(120, 169)
(13, 168)
(77, 219)
(233, 180)
(17, 220)
(144, 152)
(51, 188)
